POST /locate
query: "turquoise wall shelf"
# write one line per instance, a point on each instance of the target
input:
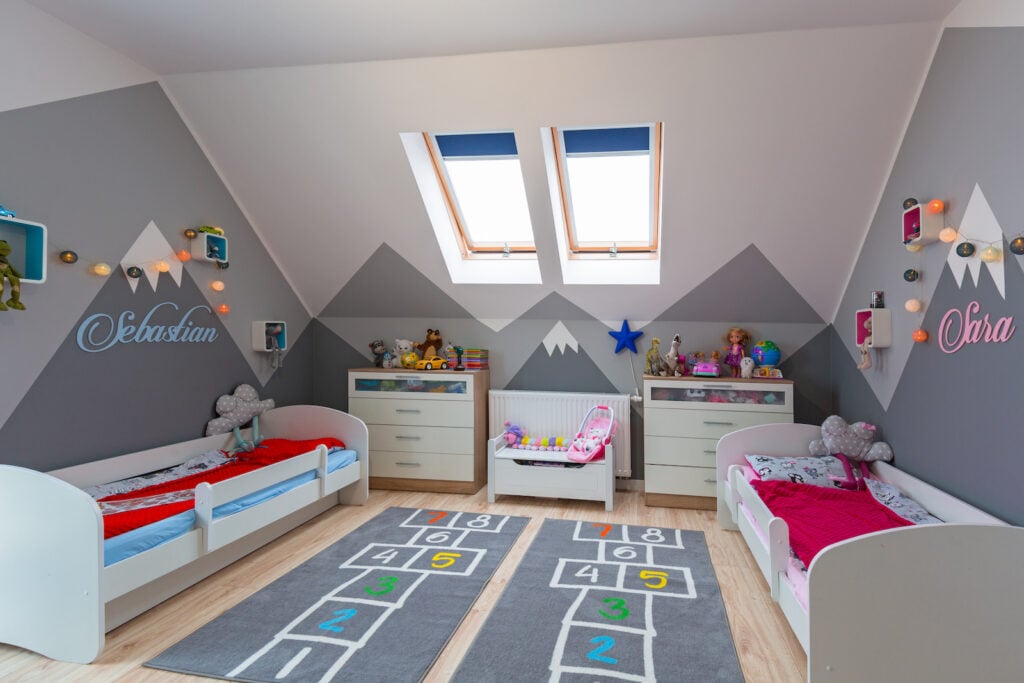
(28, 247)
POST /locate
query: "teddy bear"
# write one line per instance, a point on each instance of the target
(402, 348)
(430, 346)
(850, 442)
(236, 409)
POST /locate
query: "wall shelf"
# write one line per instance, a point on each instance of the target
(265, 333)
(209, 247)
(881, 327)
(920, 226)
(28, 247)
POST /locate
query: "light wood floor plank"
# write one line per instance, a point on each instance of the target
(767, 649)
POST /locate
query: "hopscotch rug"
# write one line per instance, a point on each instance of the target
(378, 605)
(607, 602)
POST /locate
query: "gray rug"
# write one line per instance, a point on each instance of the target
(599, 602)
(378, 605)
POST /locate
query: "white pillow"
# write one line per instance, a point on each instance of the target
(900, 503)
(817, 471)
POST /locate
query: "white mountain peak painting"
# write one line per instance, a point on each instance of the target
(150, 247)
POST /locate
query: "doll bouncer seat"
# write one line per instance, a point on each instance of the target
(595, 432)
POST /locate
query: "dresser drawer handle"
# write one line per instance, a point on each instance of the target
(710, 452)
(719, 424)
(718, 386)
(710, 481)
(408, 438)
(408, 464)
(415, 411)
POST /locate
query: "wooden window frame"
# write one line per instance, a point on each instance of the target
(563, 189)
(466, 246)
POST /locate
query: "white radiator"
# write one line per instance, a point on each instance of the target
(556, 413)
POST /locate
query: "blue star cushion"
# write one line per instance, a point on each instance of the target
(625, 338)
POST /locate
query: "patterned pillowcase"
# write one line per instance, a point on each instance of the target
(900, 503)
(816, 471)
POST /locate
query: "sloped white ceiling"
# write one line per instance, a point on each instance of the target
(44, 60)
(187, 36)
(783, 140)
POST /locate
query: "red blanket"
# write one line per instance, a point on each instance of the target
(819, 516)
(269, 452)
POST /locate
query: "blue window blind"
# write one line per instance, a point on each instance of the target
(635, 139)
(477, 145)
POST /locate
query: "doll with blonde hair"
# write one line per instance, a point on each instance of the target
(736, 340)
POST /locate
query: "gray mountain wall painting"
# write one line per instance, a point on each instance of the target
(86, 406)
(949, 417)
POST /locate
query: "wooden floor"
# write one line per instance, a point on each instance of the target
(767, 649)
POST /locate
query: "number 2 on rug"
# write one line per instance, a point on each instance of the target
(606, 643)
(340, 615)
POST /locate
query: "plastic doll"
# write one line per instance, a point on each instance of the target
(865, 347)
(736, 339)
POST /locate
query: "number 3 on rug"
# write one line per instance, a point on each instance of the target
(385, 584)
(605, 643)
(617, 607)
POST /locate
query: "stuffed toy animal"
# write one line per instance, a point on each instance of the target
(237, 409)
(513, 433)
(654, 362)
(387, 360)
(431, 345)
(405, 354)
(13, 276)
(850, 442)
(673, 368)
(746, 367)
(378, 350)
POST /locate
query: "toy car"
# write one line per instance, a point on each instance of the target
(431, 362)
(5, 212)
(706, 369)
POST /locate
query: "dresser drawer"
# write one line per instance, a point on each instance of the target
(406, 465)
(416, 439)
(704, 425)
(413, 386)
(680, 481)
(669, 450)
(384, 411)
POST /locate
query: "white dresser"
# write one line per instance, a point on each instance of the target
(427, 429)
(684, 417)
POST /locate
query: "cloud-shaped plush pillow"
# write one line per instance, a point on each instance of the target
(237, 409)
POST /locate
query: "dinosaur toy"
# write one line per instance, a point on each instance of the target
(13, 276)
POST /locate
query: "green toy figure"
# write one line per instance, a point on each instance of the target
(8, 271)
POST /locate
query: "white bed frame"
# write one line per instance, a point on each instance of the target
(925, 603)
(57, 598)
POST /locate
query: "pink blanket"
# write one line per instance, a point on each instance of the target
(819, 516)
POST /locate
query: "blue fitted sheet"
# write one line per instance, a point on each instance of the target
(133, 542)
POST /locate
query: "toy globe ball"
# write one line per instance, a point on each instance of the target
(1017, 245)
(409, 359)
(919, 336)
(766, 353)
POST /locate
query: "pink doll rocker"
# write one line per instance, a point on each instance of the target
(595, 433)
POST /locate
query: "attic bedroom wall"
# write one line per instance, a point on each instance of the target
(91, 147)
(774, 149)
(949, 414)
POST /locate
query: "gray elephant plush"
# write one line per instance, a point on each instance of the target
(850, 442)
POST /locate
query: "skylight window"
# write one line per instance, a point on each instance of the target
(483, 188)
(609, 182)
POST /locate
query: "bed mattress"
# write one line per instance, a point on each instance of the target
(130, 543)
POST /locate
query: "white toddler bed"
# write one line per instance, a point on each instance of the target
(941, 602)
(56, 596)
